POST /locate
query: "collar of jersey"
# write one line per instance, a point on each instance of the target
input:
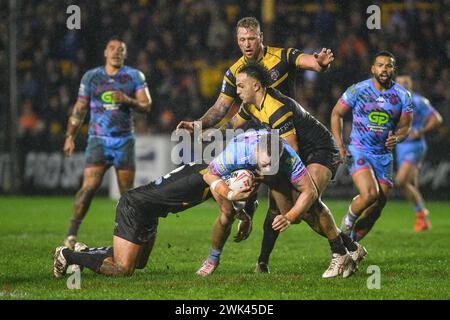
(264, 54)
(378, 91)
(261, 105)
(106, 74)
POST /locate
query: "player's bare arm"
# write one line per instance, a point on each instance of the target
(142, 103)
(433, 122)
(75, 121)
(212, 117)
(404, 126)
(318, 62)
(337, 124)
(308, 195)
(292, 141)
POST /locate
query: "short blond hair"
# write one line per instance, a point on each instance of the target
(249, 23)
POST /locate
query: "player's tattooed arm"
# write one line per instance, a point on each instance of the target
(318, 62)
(216, 113)
(77, 117)
(142, 103)
(235, 123)
(73, 125)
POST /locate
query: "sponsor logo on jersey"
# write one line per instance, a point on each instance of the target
(108, 101)
(379, 118)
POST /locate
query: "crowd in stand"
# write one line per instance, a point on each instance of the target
(184, 47)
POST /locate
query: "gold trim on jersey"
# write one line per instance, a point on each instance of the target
(229, 81)
(287, 115)
(226, 96)
(287, 134)
(297, 61)
(269, 106)
(270, 59)
(279, 81)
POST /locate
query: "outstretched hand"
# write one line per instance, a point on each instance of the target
(324, 58)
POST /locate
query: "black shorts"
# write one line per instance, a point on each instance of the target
(134, 224)
(328, 157)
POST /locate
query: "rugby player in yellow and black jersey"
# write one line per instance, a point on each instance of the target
(271, 109)
(281, 62)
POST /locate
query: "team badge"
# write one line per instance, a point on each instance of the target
(361, 161)
(393, 100)
(274, 74)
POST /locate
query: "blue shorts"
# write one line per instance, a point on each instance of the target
(411, 151)
(111, 151)
(381, 164)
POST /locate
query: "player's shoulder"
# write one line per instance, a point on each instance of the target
(135, 73)
(275, 51)
(276, 98)
(419, 100)
(231, 72)
(357, 87)
(92, 72)
(404, 94)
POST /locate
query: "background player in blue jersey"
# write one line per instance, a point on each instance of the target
(111, 93)
(382, 117)
(411, 152)
(291, 186)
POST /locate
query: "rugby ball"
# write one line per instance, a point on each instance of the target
(240, 179)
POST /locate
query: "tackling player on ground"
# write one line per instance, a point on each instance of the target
(382, 117)
(411, 152)
(111, 93)
(137, 217)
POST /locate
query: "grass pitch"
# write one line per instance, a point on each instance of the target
(413, 266)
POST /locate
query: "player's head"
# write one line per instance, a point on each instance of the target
(249, 37)
(405, 81)
(268, 152)
(383, 68)
(115, 52)
(251, 78)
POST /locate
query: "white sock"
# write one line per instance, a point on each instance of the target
(350, 218)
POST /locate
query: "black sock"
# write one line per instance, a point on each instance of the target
(74, 226)
(92, 258)
(365, 224)
(337, 246)
(348, 242)
(269, 238)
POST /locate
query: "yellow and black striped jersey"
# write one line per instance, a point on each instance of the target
(286, 115)
(281, 63)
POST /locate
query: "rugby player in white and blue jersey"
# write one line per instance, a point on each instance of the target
(111, 93)
(411, 152)
(382, 117)
(293, 189)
